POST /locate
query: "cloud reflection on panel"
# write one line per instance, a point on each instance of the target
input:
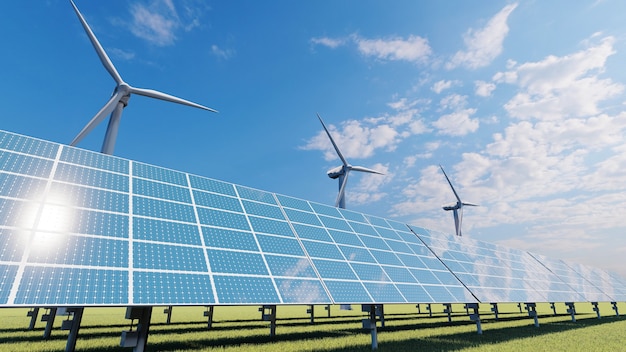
(301, 290)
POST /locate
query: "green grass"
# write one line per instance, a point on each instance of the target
(240, 329)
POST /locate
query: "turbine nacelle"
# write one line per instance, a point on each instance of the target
(336, 172)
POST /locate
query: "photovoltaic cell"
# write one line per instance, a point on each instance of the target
(87, 229)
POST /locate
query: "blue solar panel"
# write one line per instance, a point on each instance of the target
(83, 228)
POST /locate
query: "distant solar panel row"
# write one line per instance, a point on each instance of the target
(82, 228)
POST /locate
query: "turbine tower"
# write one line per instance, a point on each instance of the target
(457, 208)
(120, 96)
(341, 172)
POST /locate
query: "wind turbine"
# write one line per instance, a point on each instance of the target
(341, 172)
(457, 208)
(120, 96)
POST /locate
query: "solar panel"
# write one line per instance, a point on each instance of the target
(87, 229)
(593, 284)
(498, 274)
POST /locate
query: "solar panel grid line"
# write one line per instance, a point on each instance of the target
(273, 281)
(543, 261)
(202, 242)
(302, 246)
(592, 282)
(321, 211)
(366, 225)
(131, 238)
(40, 205)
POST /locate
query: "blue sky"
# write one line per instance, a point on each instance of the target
(523, 103)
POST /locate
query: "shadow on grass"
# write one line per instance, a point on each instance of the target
(440, 342)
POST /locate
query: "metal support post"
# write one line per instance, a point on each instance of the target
(448, 309)
(571, 309)
(519, 305)
(475, 316)
(138, 339)
(269, 314)
(49, 319)
(494, 309)
(370, 323)
(33, 313)
(419, 308)
(614, 304)
(328, 309)
(380, 312)
(596, 309)
(553, 306)
(73, 325)
(430, 312)
(532, 312)
(168, 311)
(311, 313)
(209, 314)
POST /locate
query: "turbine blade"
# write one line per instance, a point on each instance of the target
(108, 65)
(343, 160)
(450, 183)
(163, 96)
(364, 169)
(471, 204)
(342, 191)
(101, 115)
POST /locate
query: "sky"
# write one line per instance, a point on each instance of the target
(523, 103)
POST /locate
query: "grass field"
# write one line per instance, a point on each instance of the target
(240, 329)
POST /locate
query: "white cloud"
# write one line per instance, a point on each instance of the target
(367, 190)
(158, 21)
(221, 53)
(485, 44)
(457, 123)
(328, 42)
(484, 89)
(453, 102)
(561, 87)
(442, 85)
(121, 54)
(360, 139)
(413, 49)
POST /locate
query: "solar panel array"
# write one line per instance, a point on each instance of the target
(83, 228)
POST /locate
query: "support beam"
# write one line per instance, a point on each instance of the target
(268, 313)
(33, 313)
(370, 323)
(519, 305)
(419, 308)
(532, 312)
(168, 311)
(448, 309)
(209, 314)
(73, 325)
(475, 316)
(430, 312)
(328, 309)
(596, 309)
(553, 306)
(138, 338)
(49, 319)
(494, 309)
(380, 313)
(311, 313)
(614, 304)
(571, 309)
